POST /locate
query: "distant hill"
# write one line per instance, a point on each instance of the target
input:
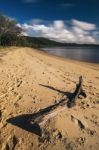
(39, 42)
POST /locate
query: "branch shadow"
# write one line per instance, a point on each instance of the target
(68, 95)
(24, 122)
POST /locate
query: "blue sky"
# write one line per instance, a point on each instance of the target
(50, 13)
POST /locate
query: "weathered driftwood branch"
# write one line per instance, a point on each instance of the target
(45, 114)
(78, 91)
(48, 111)
(41, 122)
(41, 117)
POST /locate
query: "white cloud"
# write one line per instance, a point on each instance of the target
(83, 25)
(78, 32)
(30, 1)
(64, 5)
(36, 21)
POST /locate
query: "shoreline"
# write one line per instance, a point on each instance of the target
(54, 56)
(66, 54)
(91, 65)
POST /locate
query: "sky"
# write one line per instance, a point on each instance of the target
(61, 20)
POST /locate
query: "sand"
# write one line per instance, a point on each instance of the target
(31, 80)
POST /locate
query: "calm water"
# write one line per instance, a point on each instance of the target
(83, 54)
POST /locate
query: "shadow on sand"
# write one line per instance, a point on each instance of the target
(24, 121)
(67, 94)
(28, 121)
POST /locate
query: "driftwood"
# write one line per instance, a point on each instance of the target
(78, 91)
(48, 112)
(40, 118)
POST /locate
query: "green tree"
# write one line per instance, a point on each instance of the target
(9, 30)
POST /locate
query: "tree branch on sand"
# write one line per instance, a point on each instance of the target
(53, 110)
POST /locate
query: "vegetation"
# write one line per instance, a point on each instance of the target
(37, 42)
(9, 31)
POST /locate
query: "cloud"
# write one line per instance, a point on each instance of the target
(58, 30)
(64, 5)
(36, 21)
(30, 1)
(83, 25)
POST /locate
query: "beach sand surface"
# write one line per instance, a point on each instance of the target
(31, 80)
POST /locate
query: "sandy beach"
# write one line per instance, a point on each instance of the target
(31, 80)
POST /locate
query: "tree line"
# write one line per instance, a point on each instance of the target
(9, 31)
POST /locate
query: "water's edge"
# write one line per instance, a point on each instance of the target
(90, 55)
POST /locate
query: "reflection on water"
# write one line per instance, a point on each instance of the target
(83, 54)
